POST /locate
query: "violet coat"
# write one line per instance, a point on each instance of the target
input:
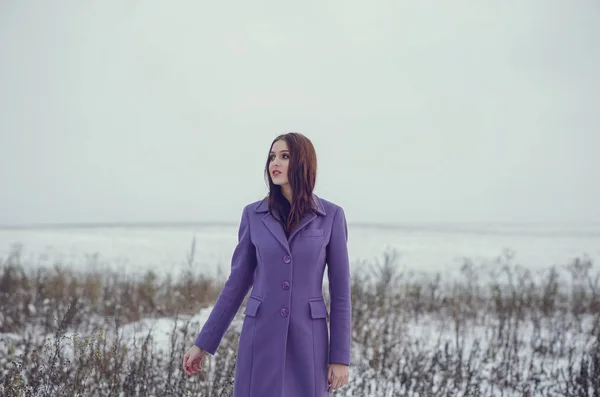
(284, 347)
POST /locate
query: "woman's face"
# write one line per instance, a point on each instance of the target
(279, 159)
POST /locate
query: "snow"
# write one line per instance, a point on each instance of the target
(422, 249)
(430, 248)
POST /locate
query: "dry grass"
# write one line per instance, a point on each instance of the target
(489, 331)
(39, 297)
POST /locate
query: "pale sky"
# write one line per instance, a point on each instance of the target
(420, 111)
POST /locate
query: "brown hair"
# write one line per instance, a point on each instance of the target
(302, 175)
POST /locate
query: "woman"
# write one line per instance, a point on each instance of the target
(284, 243)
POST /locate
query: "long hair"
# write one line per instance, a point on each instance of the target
(302, 175)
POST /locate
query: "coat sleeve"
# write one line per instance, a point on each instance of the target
(241, 278)
(338, 273)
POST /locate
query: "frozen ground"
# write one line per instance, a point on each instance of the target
(424, 249)
(428, 248)
(420, 340)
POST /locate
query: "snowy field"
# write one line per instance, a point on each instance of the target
(429, 248)
(426, 350)
(495, 352)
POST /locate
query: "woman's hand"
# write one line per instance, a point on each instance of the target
(337, 376)
(192, 361)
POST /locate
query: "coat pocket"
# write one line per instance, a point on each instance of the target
(252, 306)
(312, 233)
(318, 309)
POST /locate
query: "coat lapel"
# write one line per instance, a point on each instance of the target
(306, 219)
(276, 228)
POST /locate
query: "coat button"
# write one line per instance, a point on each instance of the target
(287, 259)
(285, 312)
(286, 285)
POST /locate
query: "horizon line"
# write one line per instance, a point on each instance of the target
(114, 224)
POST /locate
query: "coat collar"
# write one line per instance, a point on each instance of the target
(277, 230)
(263, 205)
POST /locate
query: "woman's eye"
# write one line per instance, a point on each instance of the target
(285, 156)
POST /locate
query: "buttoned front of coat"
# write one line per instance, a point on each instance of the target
(285, 344)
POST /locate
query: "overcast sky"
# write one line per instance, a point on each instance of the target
(433, 111)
